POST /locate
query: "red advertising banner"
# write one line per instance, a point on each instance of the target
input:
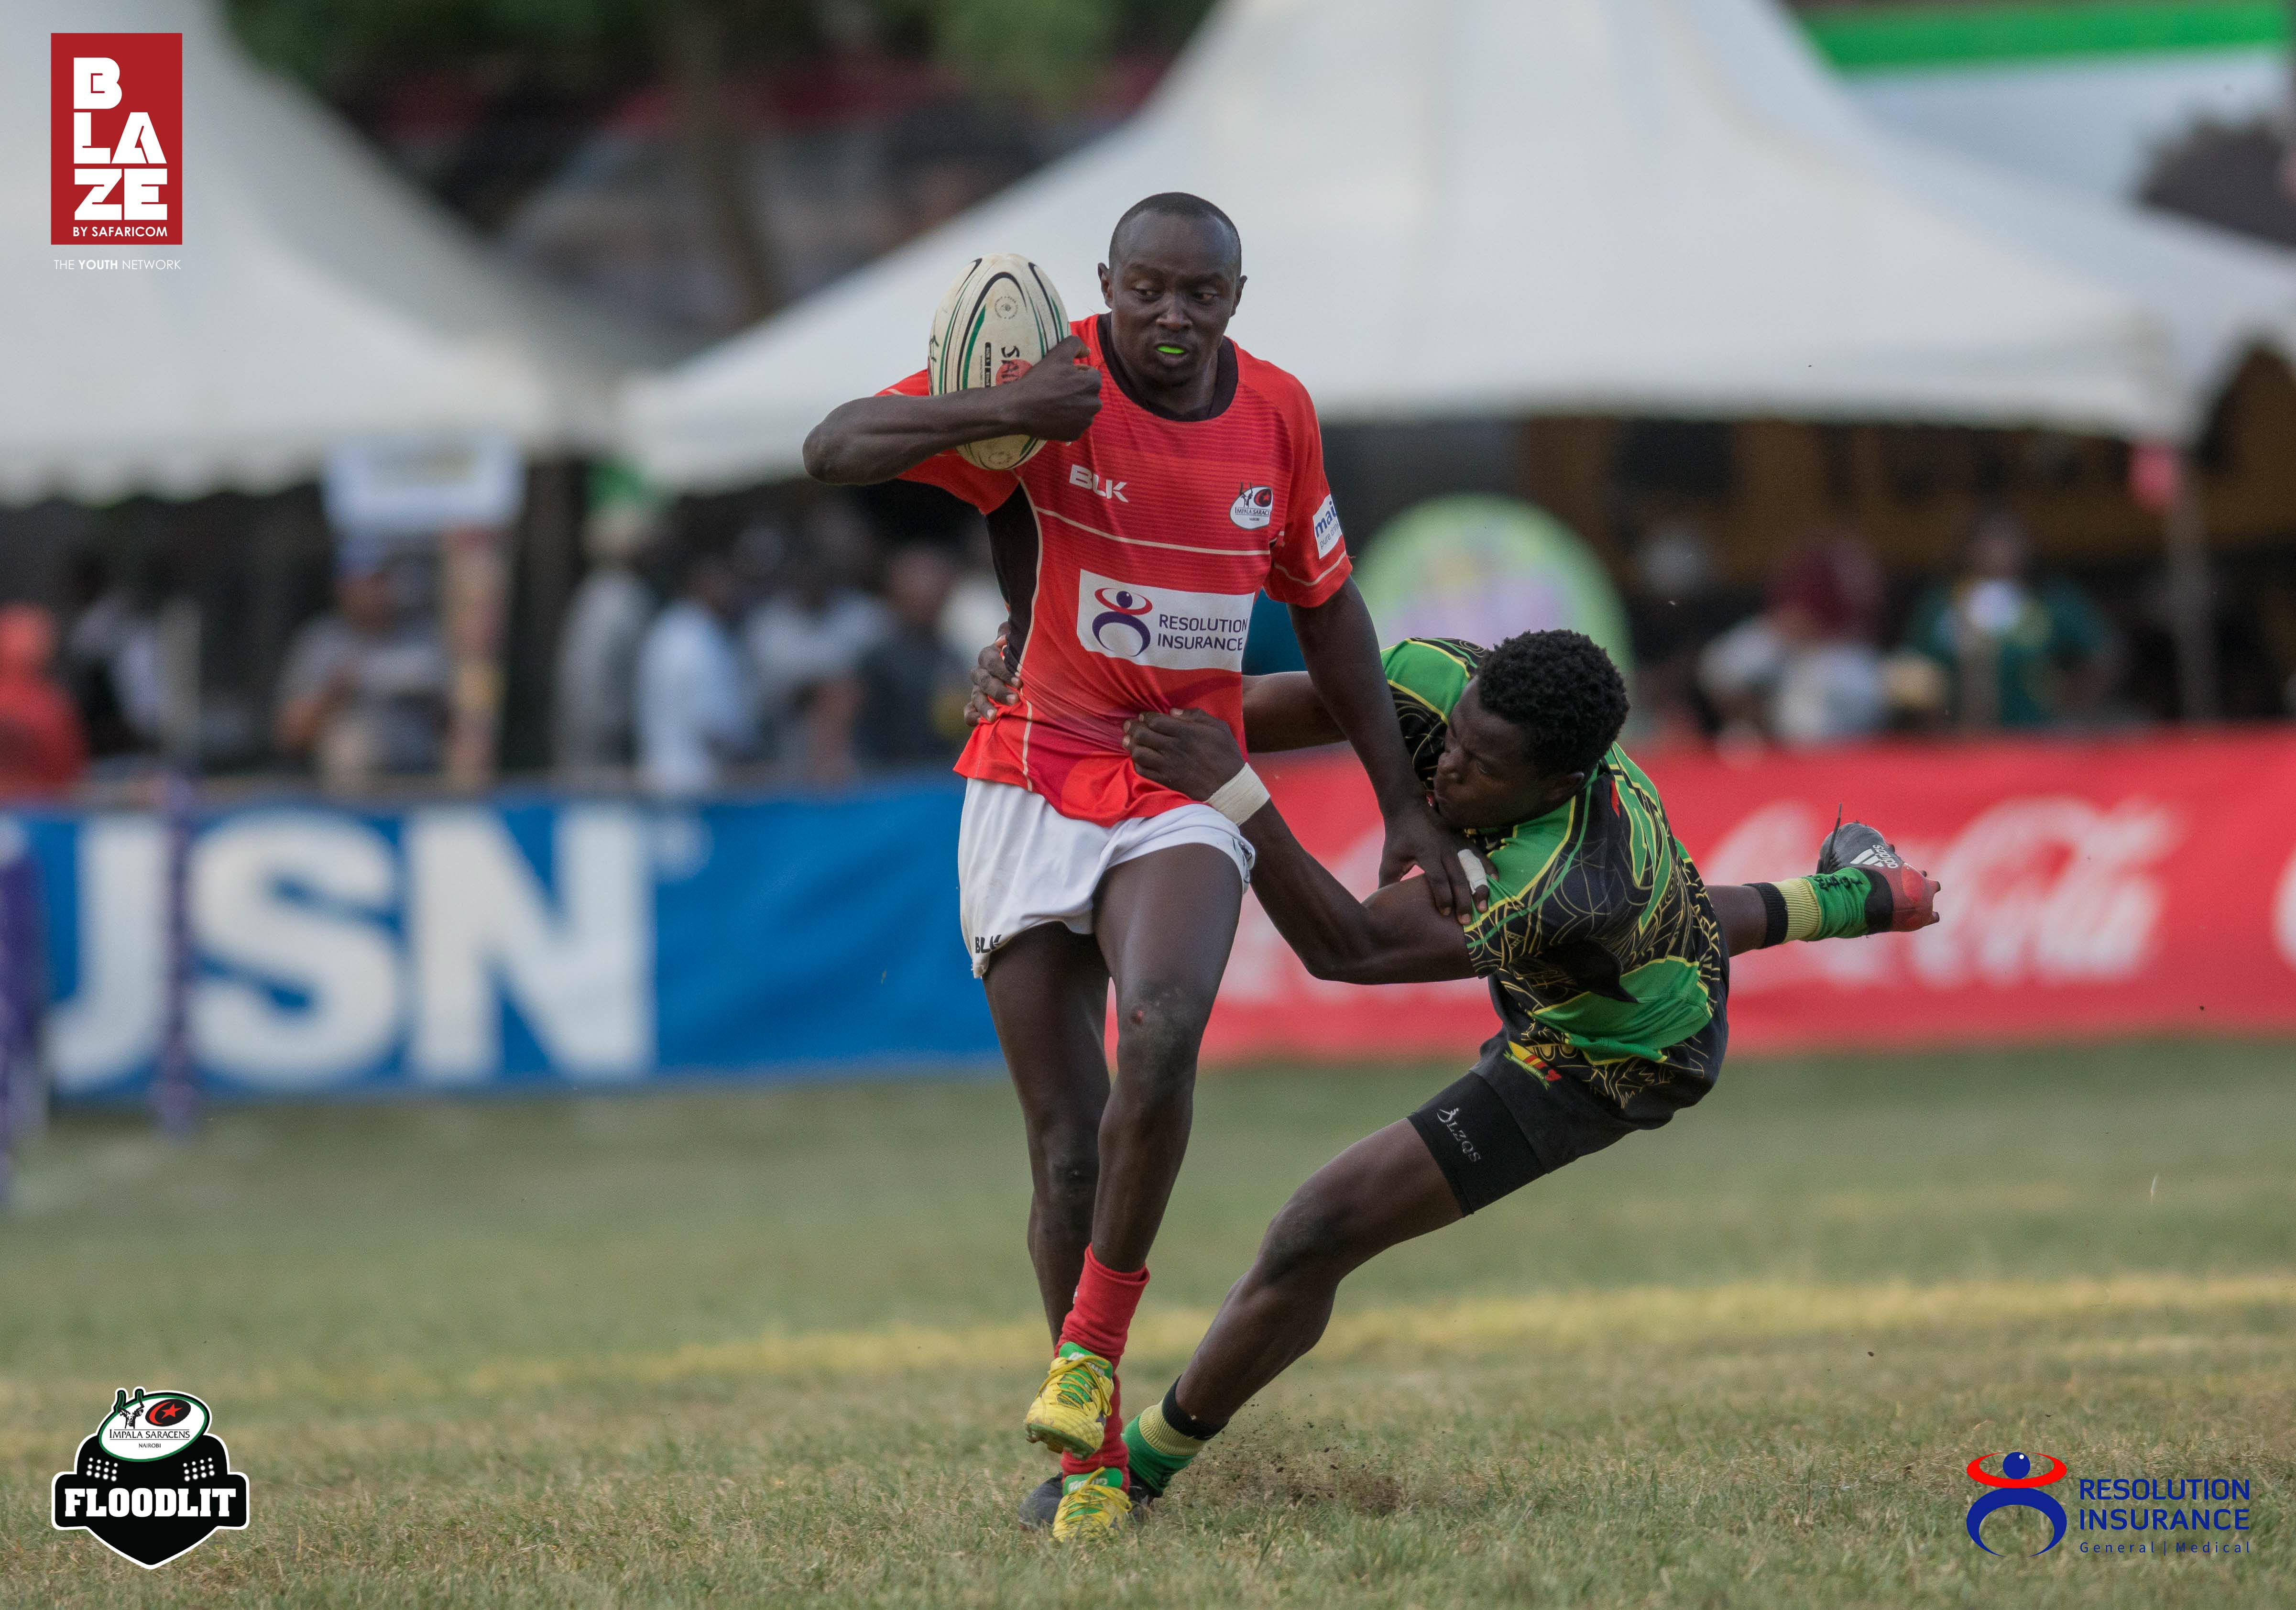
(2092, 887)
(116, 139)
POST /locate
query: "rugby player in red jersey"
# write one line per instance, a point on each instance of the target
(1129, 550)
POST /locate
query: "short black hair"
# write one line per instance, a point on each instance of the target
(1175, 204)
(1563, 691)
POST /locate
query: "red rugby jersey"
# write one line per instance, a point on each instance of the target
(1129, 559)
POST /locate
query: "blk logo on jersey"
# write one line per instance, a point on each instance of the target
(1253, 508)
(1098, 485)
(1169, 628)
(115, 139)
(153, 1483)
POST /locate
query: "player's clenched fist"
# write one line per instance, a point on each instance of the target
(1188, 751)
(1057, 399)
(1911, 899)
(996, 680)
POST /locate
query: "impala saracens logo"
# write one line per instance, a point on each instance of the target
(2016, 1488)
(1122, 612)
(1253, 508)
(153, 1481)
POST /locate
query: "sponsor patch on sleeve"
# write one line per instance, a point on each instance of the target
(1327, 527)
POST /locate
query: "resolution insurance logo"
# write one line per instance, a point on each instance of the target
(116, 139)
(2016, 1488)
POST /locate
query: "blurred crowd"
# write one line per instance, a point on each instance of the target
(2000, 644)
(807, 650)
(813, 647)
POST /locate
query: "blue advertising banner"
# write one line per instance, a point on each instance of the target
(523, 943)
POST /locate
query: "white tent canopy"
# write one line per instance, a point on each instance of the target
(1455, 207)
(318, 299)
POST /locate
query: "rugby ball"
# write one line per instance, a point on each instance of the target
(999, 319)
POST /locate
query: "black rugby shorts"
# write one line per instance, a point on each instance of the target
(1488, 1147)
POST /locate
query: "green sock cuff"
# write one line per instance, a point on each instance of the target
(1827, 905)
(1152, 1469)
(1842, 895)
(1076, 1349)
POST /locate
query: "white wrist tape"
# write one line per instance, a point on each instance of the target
(1240, 798)
(1477, 880)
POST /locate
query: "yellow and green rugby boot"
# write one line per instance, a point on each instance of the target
(1070, 1413)
(1095, 1505)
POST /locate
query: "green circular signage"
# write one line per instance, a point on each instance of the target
(1485, 568)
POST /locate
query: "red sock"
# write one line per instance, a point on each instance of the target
(1100, 1316)
(1113, 1453)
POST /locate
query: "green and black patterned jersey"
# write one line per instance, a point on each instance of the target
(1600, 946)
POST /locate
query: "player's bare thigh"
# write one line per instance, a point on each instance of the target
(1047, 990)
(1165, 924)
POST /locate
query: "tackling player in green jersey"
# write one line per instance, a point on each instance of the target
(1607, 956)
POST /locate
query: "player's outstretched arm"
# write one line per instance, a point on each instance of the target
(1396, 937)
(874, 439)
(1341, 649)
(1860, 902)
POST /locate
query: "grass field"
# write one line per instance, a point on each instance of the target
(766, 1348)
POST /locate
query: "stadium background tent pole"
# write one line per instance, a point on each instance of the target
(25, 911)
(175, 1091)
(23, 1000)
(2191, 594)
(11, 1072)
(475, 569)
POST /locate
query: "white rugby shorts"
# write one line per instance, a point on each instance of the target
(1020, 864)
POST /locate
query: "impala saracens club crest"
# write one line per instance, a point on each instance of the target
(1253, 508)
(153, 1481)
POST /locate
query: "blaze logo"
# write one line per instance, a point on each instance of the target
(2016, 1488)
(115, 139)
(1123, 612)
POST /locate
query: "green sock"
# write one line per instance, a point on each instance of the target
(1157, 1449)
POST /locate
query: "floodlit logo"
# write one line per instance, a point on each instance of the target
(153, 1481)
(2016, 1488)
(1122, 612)
(116, 139)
